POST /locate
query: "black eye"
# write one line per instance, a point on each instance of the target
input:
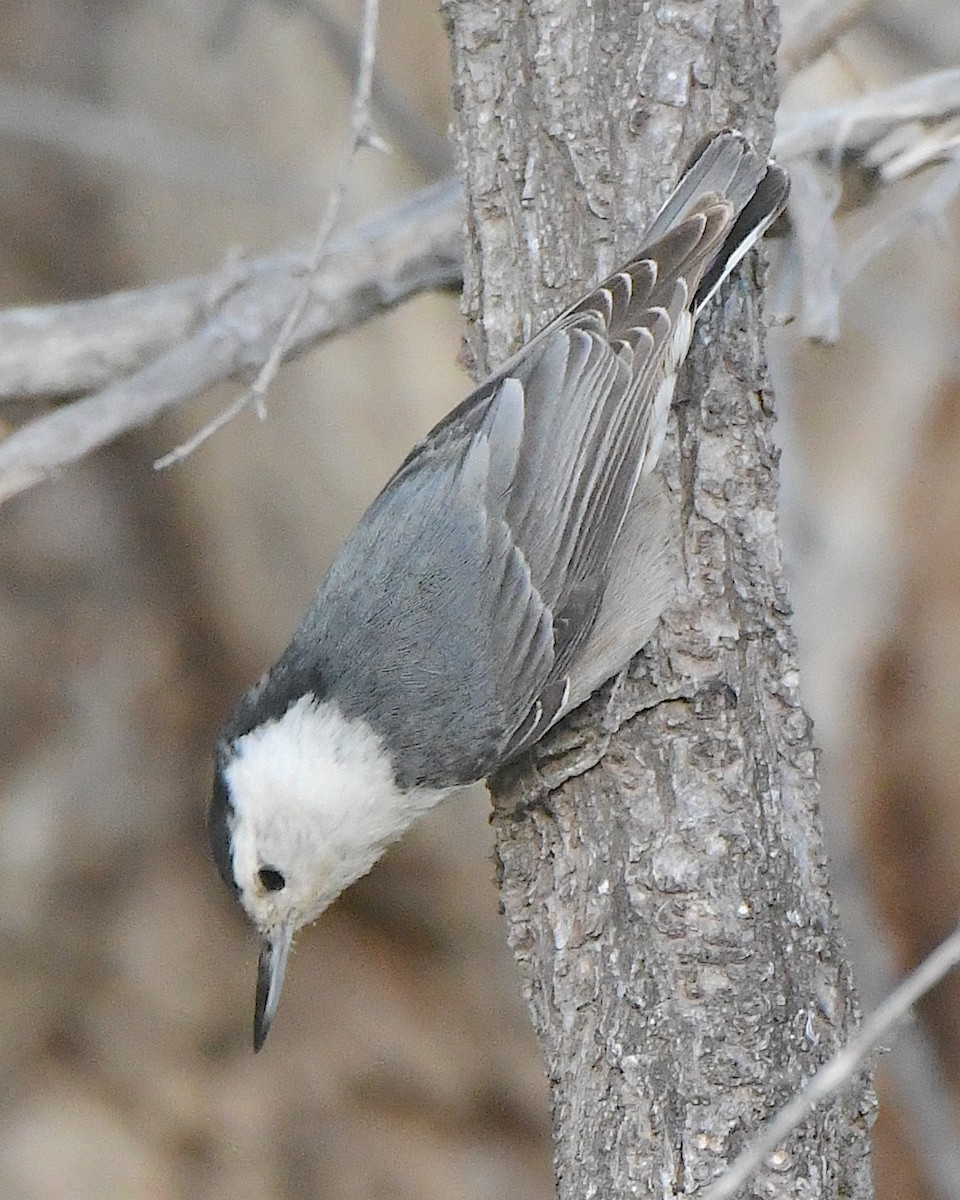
(270, 879)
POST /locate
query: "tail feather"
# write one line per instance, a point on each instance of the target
(727, 167)
(757, 215)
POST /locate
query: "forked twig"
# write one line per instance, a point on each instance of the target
(360, 134)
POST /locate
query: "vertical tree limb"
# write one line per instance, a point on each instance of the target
(663, 871)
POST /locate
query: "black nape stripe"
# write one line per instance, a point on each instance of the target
(219, 822)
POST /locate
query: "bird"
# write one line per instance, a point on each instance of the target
(518, 558)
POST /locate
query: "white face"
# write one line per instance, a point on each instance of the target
(313, 805)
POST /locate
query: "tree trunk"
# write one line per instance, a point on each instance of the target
(663, 871)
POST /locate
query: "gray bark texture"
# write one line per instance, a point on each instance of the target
(663, 872)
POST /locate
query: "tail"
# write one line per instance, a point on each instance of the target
(725, 165)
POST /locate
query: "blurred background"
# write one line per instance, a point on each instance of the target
(145, 140)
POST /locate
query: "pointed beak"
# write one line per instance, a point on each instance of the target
(274, 948)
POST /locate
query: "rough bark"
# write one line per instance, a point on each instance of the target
(662, 864)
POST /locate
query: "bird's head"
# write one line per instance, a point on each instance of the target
(303, 804)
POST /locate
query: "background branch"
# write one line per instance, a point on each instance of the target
(136, 604)
(62, 349)
(428, 149)
(360, 133)
(412, 247)
(854, 125)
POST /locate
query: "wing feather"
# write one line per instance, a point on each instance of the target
(556, 441)
(563, 439)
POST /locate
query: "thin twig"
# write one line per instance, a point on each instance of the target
(427, 148)
(186, 448)
(838, 1070)
(917, 1075)
(360, 134)
(56, 350)
(411, 248)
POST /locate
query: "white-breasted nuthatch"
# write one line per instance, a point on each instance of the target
(519, 557)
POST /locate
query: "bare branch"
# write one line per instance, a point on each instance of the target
(53, 350)
(841, 1068)
(62, 349)
(909, 148)
(59, 349)
(360, 134)
(808, 33)
(812, 204)
(856, 124)
(882, 137)
(409, 249)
